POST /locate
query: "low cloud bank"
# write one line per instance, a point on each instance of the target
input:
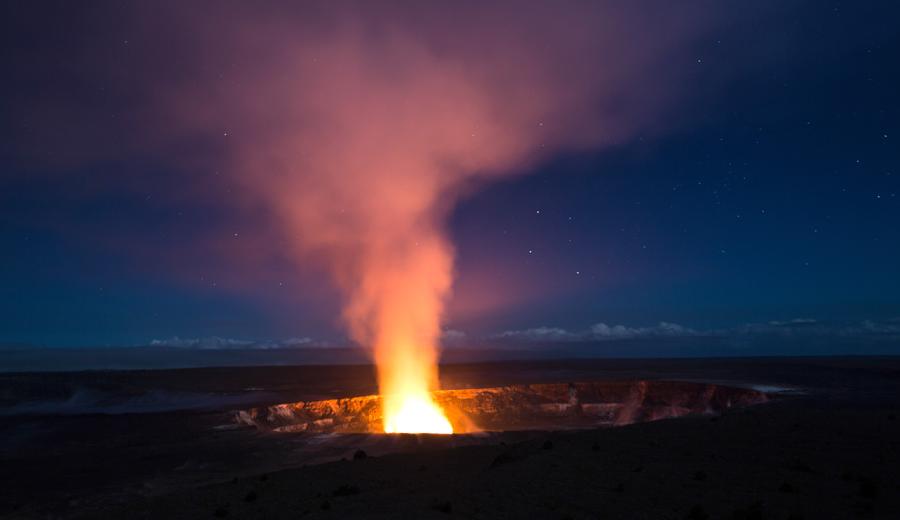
(599, 332)
(807, 327)
(797, 327)
(217, 343)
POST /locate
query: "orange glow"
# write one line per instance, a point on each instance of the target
(358, 137)
(397, 306)
(414, 414)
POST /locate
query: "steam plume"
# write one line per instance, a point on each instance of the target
(361, 126)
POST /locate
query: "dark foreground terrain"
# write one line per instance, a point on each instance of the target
(827, 448)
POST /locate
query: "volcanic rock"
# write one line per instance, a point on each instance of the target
(518, 407)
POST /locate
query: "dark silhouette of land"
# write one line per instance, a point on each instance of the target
(827, 446)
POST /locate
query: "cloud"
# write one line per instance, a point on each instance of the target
(793, 328)
(802, 326)
(888, 328)
(598, 332)
(873, 329)
(296, 342)
(452, 337)
(217, 343)
(663, 329)
(539, 334)
(793, 322)
(799, 328)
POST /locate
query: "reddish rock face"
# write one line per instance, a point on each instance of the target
(519, 407)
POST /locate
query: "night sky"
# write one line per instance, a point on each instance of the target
(757, 190)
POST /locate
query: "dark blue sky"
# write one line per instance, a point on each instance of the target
(770, 194)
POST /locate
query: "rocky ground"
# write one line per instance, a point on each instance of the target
(788, 460)
(550, 407)
(829, 451)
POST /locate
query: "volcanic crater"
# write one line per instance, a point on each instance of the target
(553, 406)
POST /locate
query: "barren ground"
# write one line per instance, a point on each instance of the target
(831, 453)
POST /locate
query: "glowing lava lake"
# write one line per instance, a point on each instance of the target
(555, 406)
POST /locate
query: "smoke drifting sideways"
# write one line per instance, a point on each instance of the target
(361, 125)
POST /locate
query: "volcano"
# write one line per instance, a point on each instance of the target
(555, 406)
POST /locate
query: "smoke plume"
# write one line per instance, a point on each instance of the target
(360, 127)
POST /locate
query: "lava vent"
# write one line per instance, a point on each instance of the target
(555, 406)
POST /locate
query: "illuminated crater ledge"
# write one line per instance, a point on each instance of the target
(556, 406)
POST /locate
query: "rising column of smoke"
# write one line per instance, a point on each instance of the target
(362, 126)
(404, 132)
